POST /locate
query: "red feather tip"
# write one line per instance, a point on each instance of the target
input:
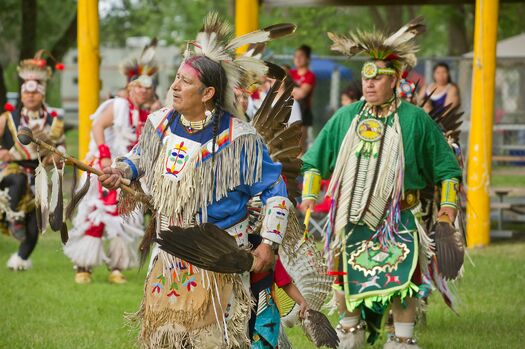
(391, 57)
(405, 74)
(9, 107)
(59, 66)
(41, 63)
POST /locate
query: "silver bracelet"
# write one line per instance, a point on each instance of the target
(273, 245)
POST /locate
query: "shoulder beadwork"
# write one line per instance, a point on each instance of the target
(240, 128)
(157, 117)
(161, 111)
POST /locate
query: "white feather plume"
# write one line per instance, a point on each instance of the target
(55, 178)
(215, 42)
(148, 56)
(41, 193)
(252, 65)
(406, 32)
(234, 74)
(250, 38)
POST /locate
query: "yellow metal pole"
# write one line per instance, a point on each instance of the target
(88, 69)
(246, 18)
(480, 143)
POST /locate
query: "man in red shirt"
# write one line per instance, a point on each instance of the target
(304, 80)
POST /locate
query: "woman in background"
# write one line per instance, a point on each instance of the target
(443, 90)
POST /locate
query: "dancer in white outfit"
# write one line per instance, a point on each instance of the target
(117, 125)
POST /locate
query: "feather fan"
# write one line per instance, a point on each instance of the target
(450, 249)
(319, 330)
(206, 246)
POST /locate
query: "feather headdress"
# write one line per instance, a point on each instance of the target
(217, 42)
(399, 48)
(145, 65)
(35, 68)
(35, 72)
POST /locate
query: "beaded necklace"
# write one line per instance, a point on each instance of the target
(194, 126)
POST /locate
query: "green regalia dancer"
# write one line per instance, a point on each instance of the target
(379, 153)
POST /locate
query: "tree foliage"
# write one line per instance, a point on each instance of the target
(450, 27)
(44, 24)
(173, 21)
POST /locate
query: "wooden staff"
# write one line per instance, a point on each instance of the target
(25, 136)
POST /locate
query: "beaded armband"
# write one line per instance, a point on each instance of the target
(449, 192)
(311, 184)
(275, 220)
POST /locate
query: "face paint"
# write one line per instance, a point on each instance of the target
(187, 90)
(191, 70)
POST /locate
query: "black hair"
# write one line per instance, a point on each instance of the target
(353, 90)
(390, 64)
(211, 74)
(307, 50)
(443, 65)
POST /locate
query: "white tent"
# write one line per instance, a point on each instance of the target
(513, 47)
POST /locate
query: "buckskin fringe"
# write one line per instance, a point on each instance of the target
(167, 329)
(127, 203)
(149, 144)
(205, 181)
(202, 183)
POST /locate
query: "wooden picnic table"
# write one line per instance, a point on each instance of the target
(502, 205)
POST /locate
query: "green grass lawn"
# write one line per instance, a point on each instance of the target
(514, 181)
(44, 308)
